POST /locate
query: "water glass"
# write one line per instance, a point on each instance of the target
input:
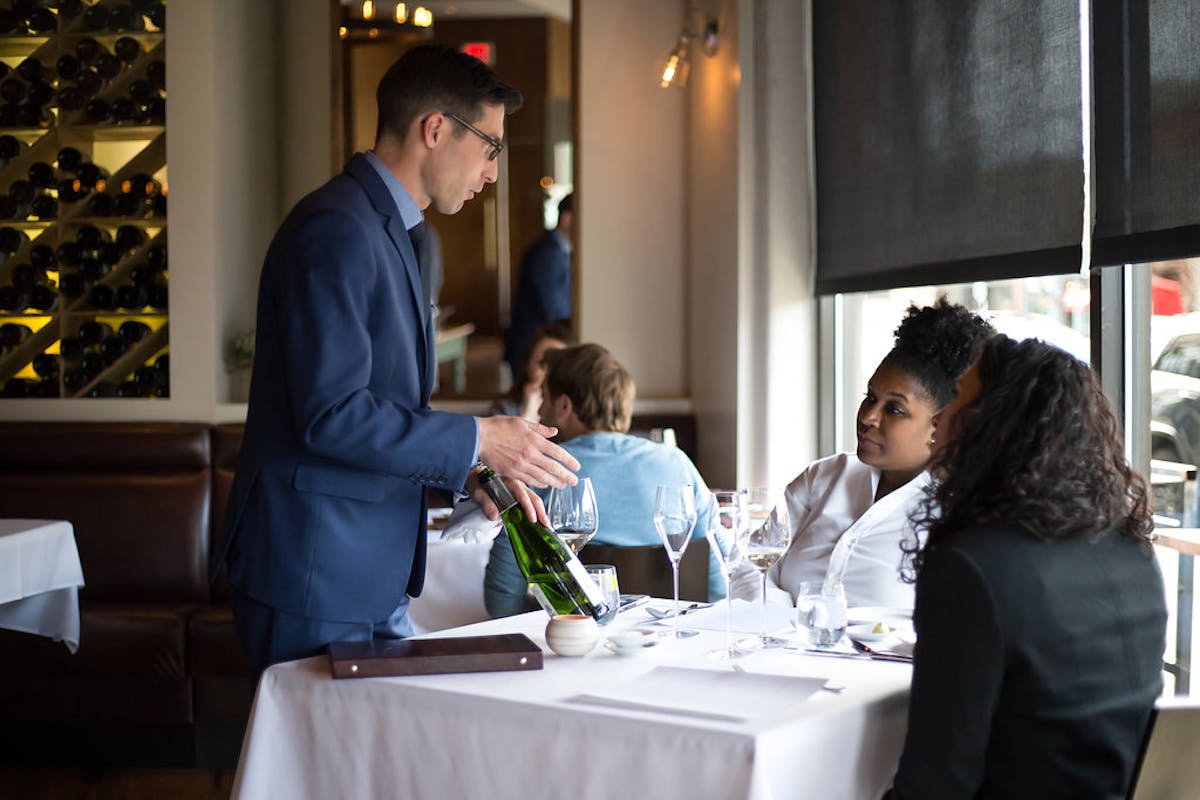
(605, 576)
(821, 612)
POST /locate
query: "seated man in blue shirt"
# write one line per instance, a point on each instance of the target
(588, 396)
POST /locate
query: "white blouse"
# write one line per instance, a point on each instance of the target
(839, 531)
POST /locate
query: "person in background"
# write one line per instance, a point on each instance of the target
(589, 397)
(325, 530)
(543, 286)
(1040, 614)
(524, 399)
(849, 512)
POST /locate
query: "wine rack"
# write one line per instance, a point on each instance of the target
(83, 246)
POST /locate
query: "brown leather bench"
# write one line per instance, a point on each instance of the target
(158, 679)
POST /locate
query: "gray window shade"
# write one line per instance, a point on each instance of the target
(1147, 130)
(948, 141)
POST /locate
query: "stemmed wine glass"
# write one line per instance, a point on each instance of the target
(573, 515)
(726, 534)
(769, 538)
(674, 517)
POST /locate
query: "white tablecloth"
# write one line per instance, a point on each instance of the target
(518, 735)
(453, 593)
(40, 576)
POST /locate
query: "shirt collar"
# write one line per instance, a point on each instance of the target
(410, 214)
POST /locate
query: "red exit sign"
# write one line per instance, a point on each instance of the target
(484, 51)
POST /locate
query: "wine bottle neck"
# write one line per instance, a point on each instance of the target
(496, 490)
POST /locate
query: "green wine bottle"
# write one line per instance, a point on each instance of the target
(557, 578)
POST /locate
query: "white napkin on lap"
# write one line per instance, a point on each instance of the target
(469, 525)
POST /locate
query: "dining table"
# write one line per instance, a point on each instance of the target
(677, 719)
(40, 578)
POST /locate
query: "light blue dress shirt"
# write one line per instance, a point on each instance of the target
(625, 471)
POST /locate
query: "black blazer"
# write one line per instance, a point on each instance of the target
(1036, 667)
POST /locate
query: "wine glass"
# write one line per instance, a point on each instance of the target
(573, 515)
(769, 538)
(674, 517)
(726, 536)
(605, 576)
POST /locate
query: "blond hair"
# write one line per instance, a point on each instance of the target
(600, 389)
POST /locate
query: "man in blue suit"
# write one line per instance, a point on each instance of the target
(543, 287)
(325, 530)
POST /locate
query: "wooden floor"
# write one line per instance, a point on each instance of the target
(42, 783)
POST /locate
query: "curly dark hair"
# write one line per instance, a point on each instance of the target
(1039, 447)
(936, 344)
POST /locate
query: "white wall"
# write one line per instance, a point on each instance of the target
(630, 191)
(712, 247)
(777, 336)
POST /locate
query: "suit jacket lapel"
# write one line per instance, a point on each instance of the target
(381, 198)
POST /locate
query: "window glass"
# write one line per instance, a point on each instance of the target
(1054, 308)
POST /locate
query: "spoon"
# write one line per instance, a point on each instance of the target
(654, 612)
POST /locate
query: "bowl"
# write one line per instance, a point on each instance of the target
(632, 641)
(572, 634)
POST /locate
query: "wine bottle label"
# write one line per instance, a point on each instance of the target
(586, 583)
(542, 600)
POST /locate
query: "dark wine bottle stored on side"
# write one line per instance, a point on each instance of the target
(108, 66)
(557, 578)
(92, 333)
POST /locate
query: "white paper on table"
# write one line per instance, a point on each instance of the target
(712, 694)
(746, 617)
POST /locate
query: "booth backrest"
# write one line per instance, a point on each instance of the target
(137, 494)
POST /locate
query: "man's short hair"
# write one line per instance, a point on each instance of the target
(567, 204)
(600, 389)
(435, 77)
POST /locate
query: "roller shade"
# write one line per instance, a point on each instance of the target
(948, 141)
(1147, 130)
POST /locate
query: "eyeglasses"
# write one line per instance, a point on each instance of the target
(494, 144)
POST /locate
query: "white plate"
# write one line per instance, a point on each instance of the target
(866, 632)
(896, 617)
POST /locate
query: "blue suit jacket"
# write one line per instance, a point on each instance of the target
(543, 295)
(326, 516)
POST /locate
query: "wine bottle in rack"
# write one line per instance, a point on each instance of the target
(131, 297)
(11, 24)
(13, 90)
(13, 334)
(156, 74)
(70, 348)
(92, 363)
(42, 257)
(91, 333)
(95, 18)
(111, 349)
(12, 239)
(127, 49)
(10, 148)
(13, 299)
(42, 297)
(25, 276)
(129, 237)
(41, 93)
(42, 175)
(157, 296)
(71, 285)
(133, 331)
(31, 68)
(46, 365)
(74, 379)
(102, 297)
(69, 66)
(70, 9)
(107, 66)
(98, 111)
(124, 17)
(42, 20)
(92, 177)
(44, 206)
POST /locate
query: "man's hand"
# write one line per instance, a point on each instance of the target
(516, 448)
(530, 502)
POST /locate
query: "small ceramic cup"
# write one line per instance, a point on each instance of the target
(572, 634)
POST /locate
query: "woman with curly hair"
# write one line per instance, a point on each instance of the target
(849, 512)
(1040, 612)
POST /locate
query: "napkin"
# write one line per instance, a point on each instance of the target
(710, 694)
(469, 525)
